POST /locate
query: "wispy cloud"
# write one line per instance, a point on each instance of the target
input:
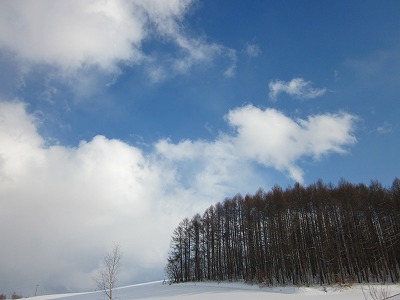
(252, 50)
(232, 57)
(297, 87)
(385, 128)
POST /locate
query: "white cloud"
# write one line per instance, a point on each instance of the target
(267, 137)
(275, 140)
(99, 35)
(63, 207)
(231, 70)
(252, 50)
(195, 51)
(297, 87)
(386, 127)
(71, 34)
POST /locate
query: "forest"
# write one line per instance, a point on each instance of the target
(318, 234)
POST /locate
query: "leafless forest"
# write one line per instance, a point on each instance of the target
(319, 234)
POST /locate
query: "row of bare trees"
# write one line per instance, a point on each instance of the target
(13, 296)
(319, 234)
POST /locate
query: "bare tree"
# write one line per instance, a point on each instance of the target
(320, 234)
(376, 292)
(107, 276)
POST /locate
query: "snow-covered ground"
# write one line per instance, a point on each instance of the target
(228, 291)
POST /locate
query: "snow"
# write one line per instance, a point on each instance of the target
(227, 291)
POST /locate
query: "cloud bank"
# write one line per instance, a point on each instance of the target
(297, 87)
(63, 207)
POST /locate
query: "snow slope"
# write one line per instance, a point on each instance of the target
(226, 291)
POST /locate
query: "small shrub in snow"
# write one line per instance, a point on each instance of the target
(376, 292)
(16, 296)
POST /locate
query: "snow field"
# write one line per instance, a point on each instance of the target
(228, 291)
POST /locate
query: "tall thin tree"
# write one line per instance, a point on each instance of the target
(107, 277)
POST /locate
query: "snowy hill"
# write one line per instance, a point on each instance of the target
(228, 291)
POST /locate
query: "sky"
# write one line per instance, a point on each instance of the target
(120, 118)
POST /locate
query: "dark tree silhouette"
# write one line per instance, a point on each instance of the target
(319, 234)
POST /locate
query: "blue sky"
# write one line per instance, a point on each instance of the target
(117, 112)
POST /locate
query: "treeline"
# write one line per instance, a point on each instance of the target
(13, 296)
(319, 234)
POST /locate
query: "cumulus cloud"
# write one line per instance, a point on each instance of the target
(269, 138)
(73, 35)
(275, 140)
(297, 87)
(63, 207)
(70, 34)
